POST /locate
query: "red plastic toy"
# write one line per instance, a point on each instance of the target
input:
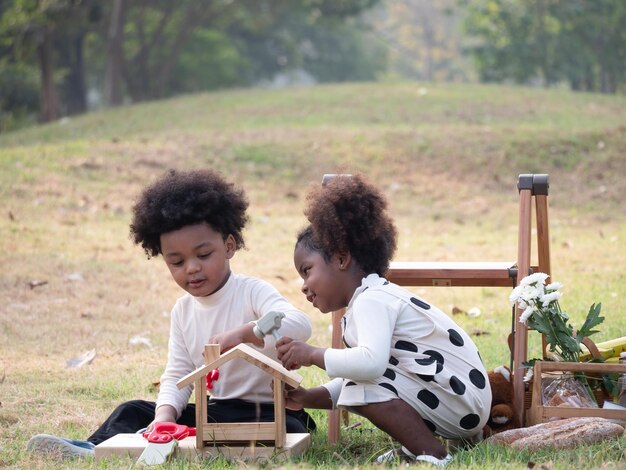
(166, 432)
(212, 377)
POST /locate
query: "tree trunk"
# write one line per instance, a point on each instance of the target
(75, 87)
(48, 99)
(115, 58)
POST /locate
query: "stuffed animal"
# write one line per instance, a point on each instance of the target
(502, 416)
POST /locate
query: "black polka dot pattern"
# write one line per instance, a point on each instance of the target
(456, 338)
(469, 421)
(428, 398)
(420, 303)
(477, 378)
(405, 346)
(456, 385)
(389, 387)
(434, 356)
(452, 366)
(425, 361)
(426, 378)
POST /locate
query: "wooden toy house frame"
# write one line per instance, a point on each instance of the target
(241, 441)
(241, 434)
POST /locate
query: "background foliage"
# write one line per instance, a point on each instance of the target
(64, 57)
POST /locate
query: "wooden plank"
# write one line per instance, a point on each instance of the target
(548, 412)
(543, 246)
(132, 445)
(201, 407)
(191, 377)
(222, 432)
(251, 355)
(597, 367)
(334, 416)
(211, 353)
(279, 413)
(295, 445)
(520, 336)
(449, 274)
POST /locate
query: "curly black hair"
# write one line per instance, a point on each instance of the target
(349, 214)
(181, 198)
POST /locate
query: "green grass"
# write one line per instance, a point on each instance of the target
(447, 156)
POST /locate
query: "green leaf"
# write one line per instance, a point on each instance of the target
(593, 319)
(610, 382)
(568, 342)
(540, 323)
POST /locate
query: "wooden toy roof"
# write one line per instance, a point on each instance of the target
(251, 355)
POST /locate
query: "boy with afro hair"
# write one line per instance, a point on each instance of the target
(194, 220)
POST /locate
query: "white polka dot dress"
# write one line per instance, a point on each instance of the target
(399, 346)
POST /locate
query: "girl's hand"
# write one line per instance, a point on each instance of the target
(300, 397)
(295, 398)
(296, 354)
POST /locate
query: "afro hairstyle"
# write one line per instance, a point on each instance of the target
(349, 214)
(181, 198)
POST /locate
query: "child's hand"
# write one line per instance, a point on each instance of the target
(295, 354)
(300, 397)
(231, 338)
(295, 398)
(164, 414)
(226, 340)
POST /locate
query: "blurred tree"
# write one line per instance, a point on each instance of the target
(320, 44)
(578, 41)
(423, 37)
(49, 33)
(338, 52)
(115, 54)
(19, 93)
(241, 42)
(147, 49)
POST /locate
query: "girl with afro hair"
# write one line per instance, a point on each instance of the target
(194, 220)
(407, 366)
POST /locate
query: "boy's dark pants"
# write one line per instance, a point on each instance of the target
(131, 416)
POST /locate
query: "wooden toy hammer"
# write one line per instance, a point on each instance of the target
(268, 324)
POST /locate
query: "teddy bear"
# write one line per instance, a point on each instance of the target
(502, 415)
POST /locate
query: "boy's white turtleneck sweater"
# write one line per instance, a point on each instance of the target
(194, 320)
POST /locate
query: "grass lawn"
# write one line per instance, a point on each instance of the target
(447, 156)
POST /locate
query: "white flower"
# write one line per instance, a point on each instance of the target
(532, 293)
(553, 286)
(547, 299)
(541, 310)
(515, 295)
(534, 278)
(523, 318)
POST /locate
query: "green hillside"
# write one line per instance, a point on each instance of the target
(447, 156)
